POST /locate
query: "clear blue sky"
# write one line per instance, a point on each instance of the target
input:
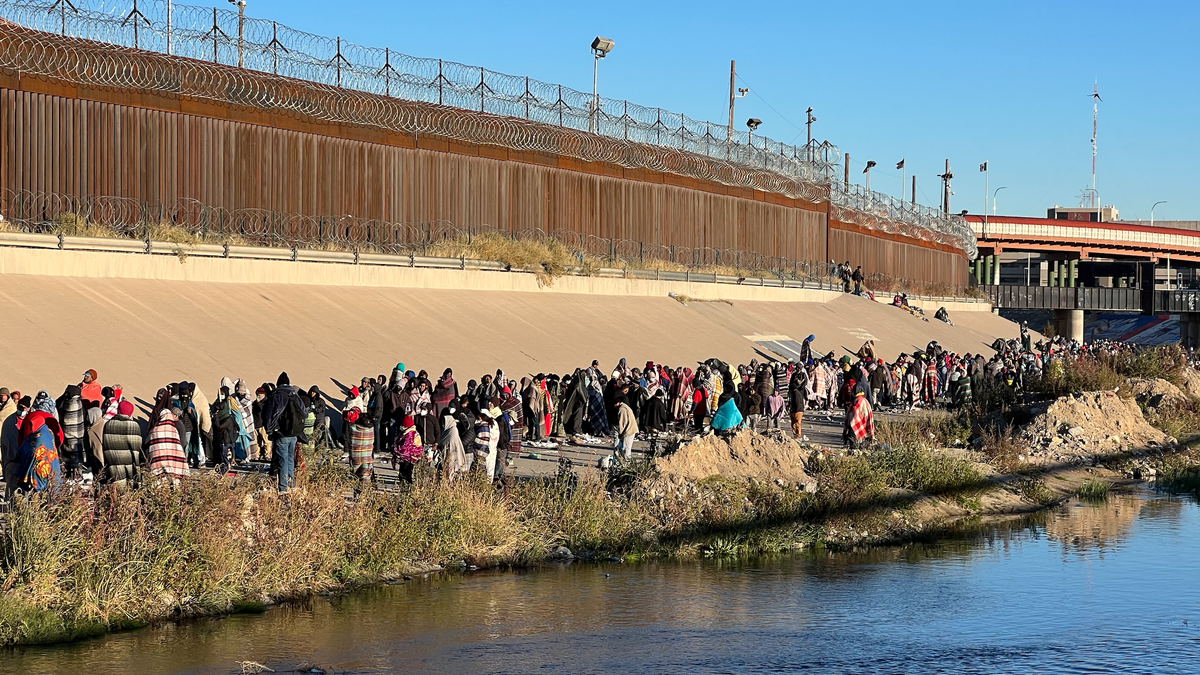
(1008, 82)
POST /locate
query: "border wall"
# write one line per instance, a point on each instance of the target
(64, 137)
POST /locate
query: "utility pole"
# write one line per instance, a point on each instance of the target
(808, 124)
(914, 192)
(846, 180)
(1095, 112)
(946, 189)
(241, 5)
(733, 97)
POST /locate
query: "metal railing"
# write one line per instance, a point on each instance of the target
(132, 220)
(261, 63)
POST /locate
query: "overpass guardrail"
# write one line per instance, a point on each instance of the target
(1144, 300)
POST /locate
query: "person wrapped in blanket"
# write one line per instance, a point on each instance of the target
(859, 428)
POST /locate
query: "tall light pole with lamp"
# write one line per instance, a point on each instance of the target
(601, 46)
(1152, 211)
(752, 124)
(870, 165)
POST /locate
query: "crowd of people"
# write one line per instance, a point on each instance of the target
(91, 431)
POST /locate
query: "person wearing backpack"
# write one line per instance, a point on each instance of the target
(284, 421)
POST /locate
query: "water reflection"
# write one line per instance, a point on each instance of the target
(1084, 587)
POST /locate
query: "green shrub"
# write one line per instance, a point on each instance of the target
(1094, 489)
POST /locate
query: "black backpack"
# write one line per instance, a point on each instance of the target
(291, 420)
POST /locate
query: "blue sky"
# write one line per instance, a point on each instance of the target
(1006, 82)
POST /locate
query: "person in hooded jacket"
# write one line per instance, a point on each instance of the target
(285, 426)
(39, 436)
(445, 392)
(70, 409)
(227, 427)
(655, 415)
(575, 404)
(10, 446)
(121, 447)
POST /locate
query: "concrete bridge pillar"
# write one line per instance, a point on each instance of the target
(1069, 323)
(1189, 329)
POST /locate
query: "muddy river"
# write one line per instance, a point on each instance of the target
(1113, 587)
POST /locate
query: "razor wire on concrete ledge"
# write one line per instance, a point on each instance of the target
(122, 217)
(260, 63)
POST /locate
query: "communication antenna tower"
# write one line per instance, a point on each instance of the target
(1095, 113)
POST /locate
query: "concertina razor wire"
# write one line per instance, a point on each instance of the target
(339, 81)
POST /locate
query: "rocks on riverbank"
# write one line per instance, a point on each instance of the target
(1079, 427)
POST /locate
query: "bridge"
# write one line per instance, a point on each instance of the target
(1117, 246)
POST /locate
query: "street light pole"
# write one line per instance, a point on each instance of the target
(1152, 211)
(870, 165)
(752, 124)
(595, 92)
(601, 46)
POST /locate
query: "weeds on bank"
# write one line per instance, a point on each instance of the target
(929, 429)
(922, 470)
(1179, 419)
(1094, 489)
(1001, 448)
(1180, 473)
(1063, 377)
(1035, 490)
(1162, 361)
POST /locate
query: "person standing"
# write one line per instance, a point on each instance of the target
(121, 447)
(10, 446)
(8, 405)
(359, 432)
(858, 277)
(71, 417)
(90, 390)
(167, 457)
(797, 396)
(627, 430)
(40, 437)
(859, 427)
(407, 449)
(285, 426)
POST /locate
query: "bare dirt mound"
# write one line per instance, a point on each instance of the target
(745, 455)
(1154, 392)
(1076, 428)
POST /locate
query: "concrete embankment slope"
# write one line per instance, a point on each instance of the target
(142, 331)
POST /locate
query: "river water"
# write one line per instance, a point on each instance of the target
(1113, 587)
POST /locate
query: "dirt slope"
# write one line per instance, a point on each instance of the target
(144, 333)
